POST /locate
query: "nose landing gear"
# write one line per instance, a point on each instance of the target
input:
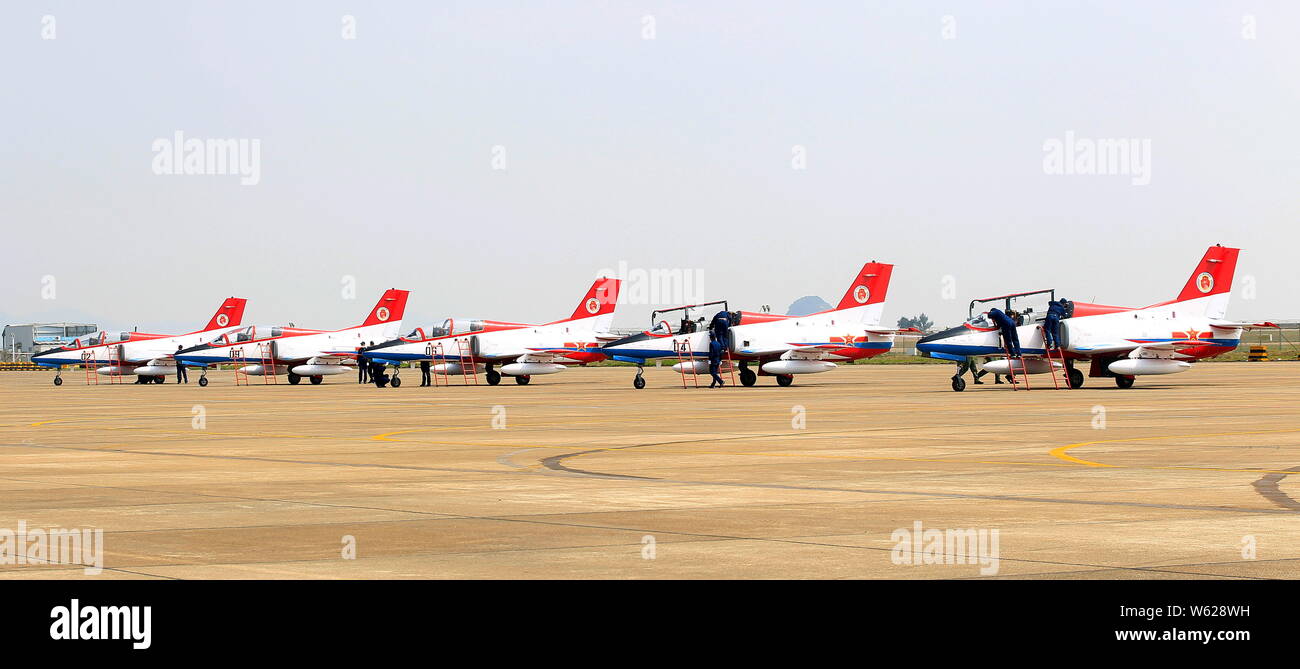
(639, 382)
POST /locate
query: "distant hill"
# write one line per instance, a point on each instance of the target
(810, 304)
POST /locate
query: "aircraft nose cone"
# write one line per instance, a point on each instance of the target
(939, 336)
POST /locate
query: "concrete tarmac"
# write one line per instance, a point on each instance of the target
(847, 474)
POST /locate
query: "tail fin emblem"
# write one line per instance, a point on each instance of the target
(861, 294)
(1205, 282)
(381, 313)
(223, 320)
(593, 305)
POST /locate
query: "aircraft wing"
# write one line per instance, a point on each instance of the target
(812, 351)
(1226, 325)
(330, 358)
(1138, 347)
(557, 355)
(891, 331)
(162, 361)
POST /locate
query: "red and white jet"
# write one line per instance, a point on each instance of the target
(1119, 342)
(300, 352)
(147, 356)
(523, 350)
(781, 345)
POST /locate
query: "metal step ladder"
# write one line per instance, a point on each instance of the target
(88, 364)
(266, 352)
(438, 354)
(237, 357)
(465, 353)
(1011, 370)
(1052, 360)
(686, 357)
(115, 364)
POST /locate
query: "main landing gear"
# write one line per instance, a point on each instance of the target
(784, 380)
(294, 379)
(1076, 378)
(523, 380)
(1124, 382)
(493, 376)
(639, 382)
(747, 376)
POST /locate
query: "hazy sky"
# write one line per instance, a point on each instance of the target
(922, 124)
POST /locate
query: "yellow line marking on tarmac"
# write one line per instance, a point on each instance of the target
(1062, 452)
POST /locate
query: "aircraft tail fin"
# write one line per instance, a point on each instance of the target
(600, 300)
(1210, 285)
(870, 286)
(389, 309)
(230, 313)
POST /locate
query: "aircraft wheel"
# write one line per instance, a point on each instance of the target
(784, 380)
(1076, 378)
(160, 379)
(58, 381)
(294, 379)
(638, 383)
(748, 378)
(203, 381)
(958, 383)
(1124, 381)
(396, 381)
(315, 380)
(493, 377)
(523, 380)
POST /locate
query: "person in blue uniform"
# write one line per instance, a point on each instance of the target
(1010, 338)
(1052, 324)
(182, 376)
(715, 360)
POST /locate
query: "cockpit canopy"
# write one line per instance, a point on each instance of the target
(456, 326)
(250, 333)
(107, 338)
(980, 320)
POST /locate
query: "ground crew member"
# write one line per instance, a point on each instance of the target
(976, 373)
(1010, 338)
(181, 375)
(425, 379)
(715, 361)
(363, 368)
(720, 326)
(1052, 325)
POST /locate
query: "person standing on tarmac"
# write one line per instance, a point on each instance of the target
(970, 364)
(425, 379)
(182, 376)
(363, 367)
(715, 360)
(1010, 338)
